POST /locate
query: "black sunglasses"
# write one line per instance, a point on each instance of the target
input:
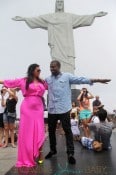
(39, 70)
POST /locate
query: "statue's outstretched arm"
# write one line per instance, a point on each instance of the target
(34, 22)
(85, 20)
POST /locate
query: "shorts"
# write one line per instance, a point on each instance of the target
(85, 114)
(1, 121)
(8, 119)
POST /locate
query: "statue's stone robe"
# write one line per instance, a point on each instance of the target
(60, 34)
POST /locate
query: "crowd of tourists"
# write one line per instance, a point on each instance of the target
(31, 133)
(91, 127)
(8, 101)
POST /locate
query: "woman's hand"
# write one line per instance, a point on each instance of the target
(81, 92)
(4, 89)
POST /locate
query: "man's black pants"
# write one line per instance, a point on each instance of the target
(52, 123)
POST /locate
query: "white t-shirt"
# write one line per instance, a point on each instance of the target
(45, 114)
(95, 119)
(74, 127)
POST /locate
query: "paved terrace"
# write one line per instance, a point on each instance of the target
(88, 162)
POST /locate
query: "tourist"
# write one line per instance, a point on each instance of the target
(91, 144)
(2, 108)
(103, 130)
(9, 116)
(94, 117)
(85, 112)
(31, 130)
(75, 110)
(75, 127)
(96, 102)
(59, 105)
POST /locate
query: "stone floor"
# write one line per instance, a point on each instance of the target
(88, 162)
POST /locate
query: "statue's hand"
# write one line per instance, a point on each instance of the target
(18, 18)
(100, 14)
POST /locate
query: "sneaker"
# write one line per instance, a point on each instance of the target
(71, 159)
(50, 154)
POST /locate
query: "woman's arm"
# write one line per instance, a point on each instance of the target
(13, 83)
(13, 94)
(45, 85)
(1, 82)
(90, 96)
(3, 101)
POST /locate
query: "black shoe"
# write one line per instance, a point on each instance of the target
(71, 159)
(50, 154)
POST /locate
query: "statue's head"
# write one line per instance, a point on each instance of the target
(59, 6)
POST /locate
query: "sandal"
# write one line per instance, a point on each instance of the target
(40, 160)
(13, 146)
(1, 145)
(4, 146)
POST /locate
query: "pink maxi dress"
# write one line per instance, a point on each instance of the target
(31, 130)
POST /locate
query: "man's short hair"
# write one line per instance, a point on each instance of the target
(56, 62)
(102, 114)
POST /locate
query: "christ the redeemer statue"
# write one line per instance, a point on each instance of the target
(60, 27)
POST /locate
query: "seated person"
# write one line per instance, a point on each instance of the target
(91, 144)
(103, 130)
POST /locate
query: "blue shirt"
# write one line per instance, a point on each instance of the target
(59, 91)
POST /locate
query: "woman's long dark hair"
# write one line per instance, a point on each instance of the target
(84, 95)
(30, 76)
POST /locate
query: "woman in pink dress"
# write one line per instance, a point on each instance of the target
(31, 130)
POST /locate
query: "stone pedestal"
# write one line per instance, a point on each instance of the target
(75, 94)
